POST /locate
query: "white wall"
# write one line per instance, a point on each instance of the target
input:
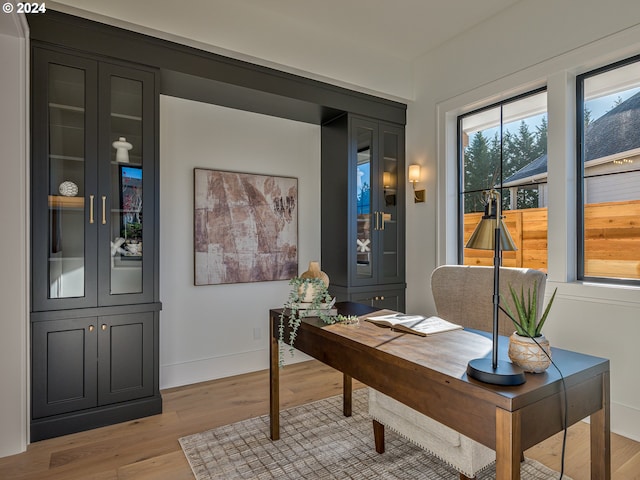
(214, 331)
(14, 239)
(530, 45)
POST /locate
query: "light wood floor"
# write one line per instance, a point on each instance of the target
(148, 448)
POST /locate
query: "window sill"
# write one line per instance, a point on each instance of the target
(597, 292)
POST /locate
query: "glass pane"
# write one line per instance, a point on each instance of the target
(481, 155)
(126, 186)
(524, 157)
(611, 173)
(364, 213)
(66, 182)
(389, 220)
(505, 148)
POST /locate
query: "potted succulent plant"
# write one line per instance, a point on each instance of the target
(528, 347)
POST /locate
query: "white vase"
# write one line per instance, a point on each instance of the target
(525, 353)
(122, 150)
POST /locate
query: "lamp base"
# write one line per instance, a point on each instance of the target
(505, 373)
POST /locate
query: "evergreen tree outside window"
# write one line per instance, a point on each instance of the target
(608, 172)
(504, 146)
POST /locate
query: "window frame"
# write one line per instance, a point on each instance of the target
(579, 166)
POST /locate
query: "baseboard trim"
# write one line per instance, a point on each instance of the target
(203, 370)
(59, 425)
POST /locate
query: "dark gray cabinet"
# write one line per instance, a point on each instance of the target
(363, 210)
(94, 296)
(90, 362)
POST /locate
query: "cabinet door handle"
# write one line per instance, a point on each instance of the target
(104, 327)
(91, 328)
(104, 209)
(382, 221)
(91, 197)
(377, 227)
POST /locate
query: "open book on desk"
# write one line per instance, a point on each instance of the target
(416, 324)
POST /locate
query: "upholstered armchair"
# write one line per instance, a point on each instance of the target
(463, 295)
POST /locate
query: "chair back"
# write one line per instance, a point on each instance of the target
(463, 294)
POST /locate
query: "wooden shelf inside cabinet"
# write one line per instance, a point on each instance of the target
(59, 201)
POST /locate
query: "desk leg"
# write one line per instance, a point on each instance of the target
(378, 436)
(274, 383)
(347, 396)
(508, 444)
(601, 436)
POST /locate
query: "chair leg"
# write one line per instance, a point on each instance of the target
(378, 436)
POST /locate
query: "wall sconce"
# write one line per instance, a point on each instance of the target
(414, 177)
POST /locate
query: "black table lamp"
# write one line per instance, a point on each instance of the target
(492, 234)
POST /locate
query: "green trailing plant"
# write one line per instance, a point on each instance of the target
(528, 324)
(292, 314)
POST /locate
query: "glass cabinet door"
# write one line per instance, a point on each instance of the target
(64, 187)
(126, 175)
(378, 150)
(392, 203)
(364, 142)
(66, 182)
(125, 205)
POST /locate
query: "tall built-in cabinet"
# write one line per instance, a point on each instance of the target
(94, 302)
(94, 172)
(363, 210)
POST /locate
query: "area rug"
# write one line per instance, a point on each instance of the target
(318, 442)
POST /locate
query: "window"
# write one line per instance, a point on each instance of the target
(608, 161)
(504, 147)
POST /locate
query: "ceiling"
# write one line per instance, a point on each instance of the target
(403, 28)
(339, 39)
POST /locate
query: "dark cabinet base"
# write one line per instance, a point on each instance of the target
(58, 425)
(391, 297)
(93, 371)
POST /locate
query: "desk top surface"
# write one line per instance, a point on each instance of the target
(443, 357)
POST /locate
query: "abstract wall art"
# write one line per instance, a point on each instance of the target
(245, 227)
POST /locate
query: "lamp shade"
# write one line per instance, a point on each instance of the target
(483, 237)
(414, 173)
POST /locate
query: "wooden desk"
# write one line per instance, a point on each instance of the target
(429, 375)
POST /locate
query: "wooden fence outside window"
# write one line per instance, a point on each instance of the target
(612, 239)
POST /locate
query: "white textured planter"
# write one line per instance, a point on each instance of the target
(526, 354)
